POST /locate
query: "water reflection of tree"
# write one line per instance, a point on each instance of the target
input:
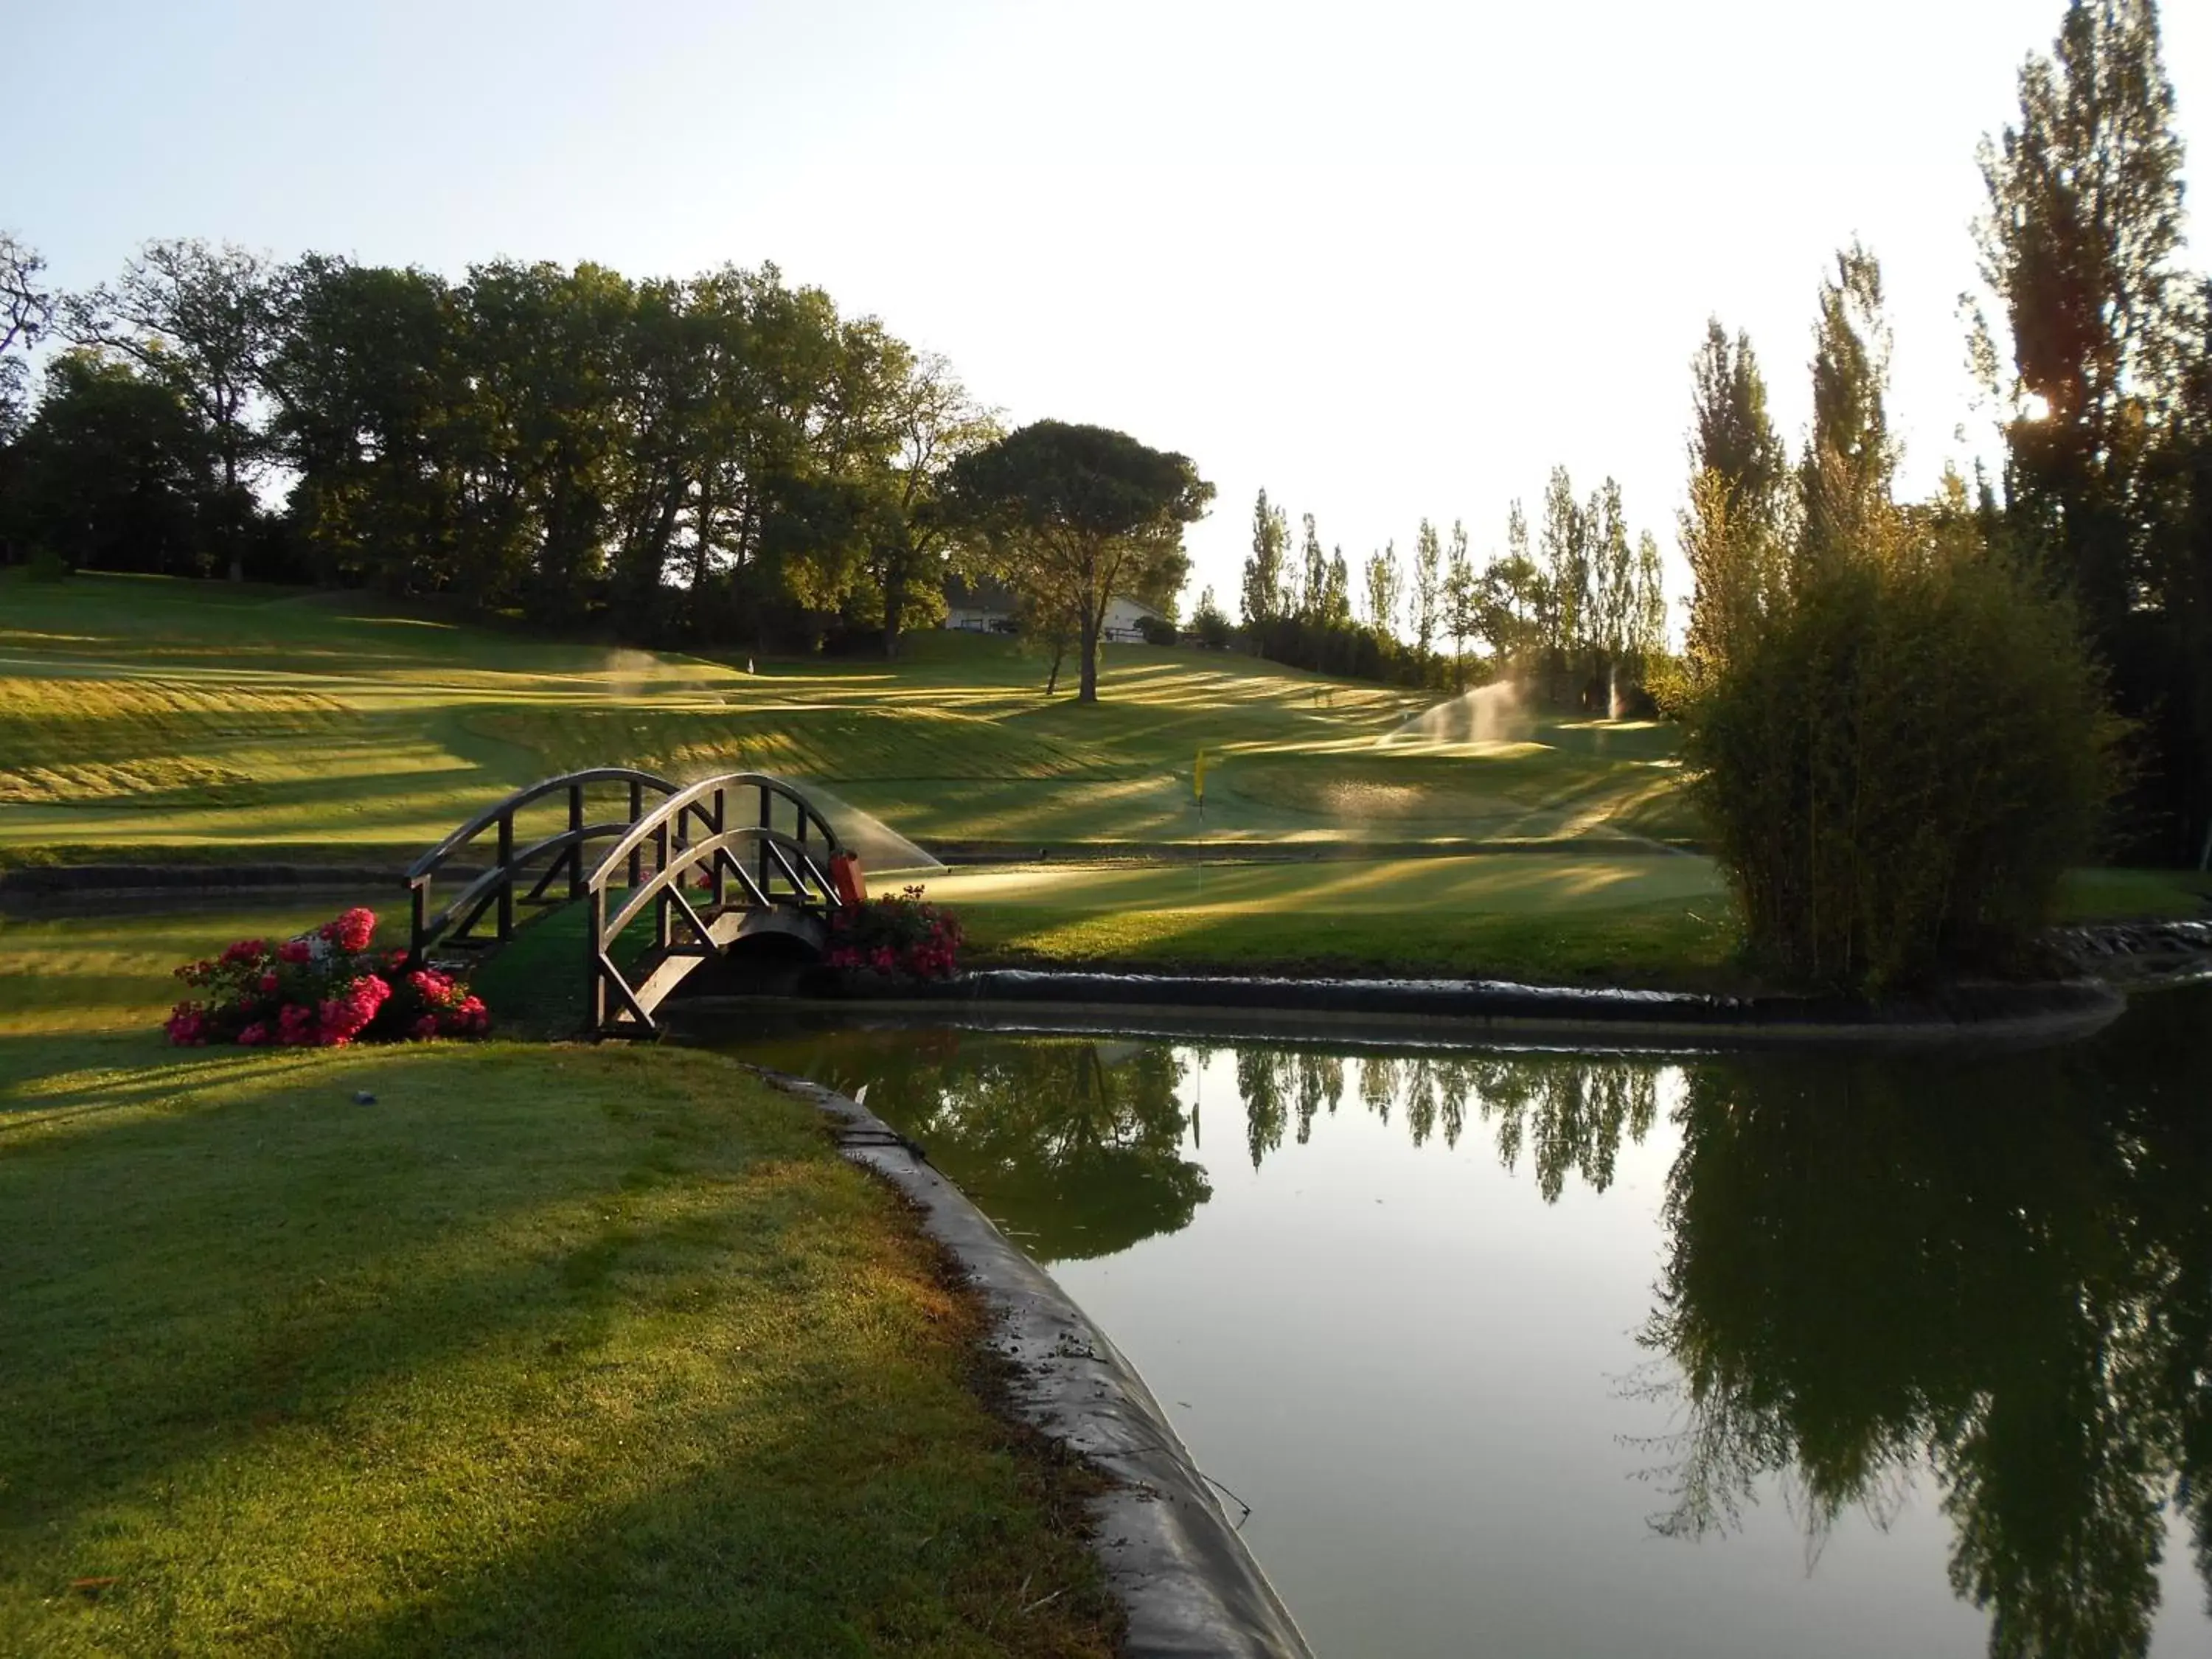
(1570, 1112)
(2005, 1269)
(1073, 1145)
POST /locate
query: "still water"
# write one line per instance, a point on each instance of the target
(1524, 1354)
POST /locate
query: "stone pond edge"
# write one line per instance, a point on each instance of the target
(1182, 1575)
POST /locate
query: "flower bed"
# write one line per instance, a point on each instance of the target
(325, 989)
(903, 937)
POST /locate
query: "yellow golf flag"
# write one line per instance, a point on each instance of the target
(1198, 781)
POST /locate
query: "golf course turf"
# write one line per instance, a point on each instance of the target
(551, 1348)
(548, 1349)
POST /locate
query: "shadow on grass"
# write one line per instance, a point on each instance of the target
(549, 1350)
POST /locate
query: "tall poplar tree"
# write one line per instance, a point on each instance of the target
(2078, 245)
(1337, 605)
(2102, 332)
(1564, 538)
(1263, 566)
(1462, 600)
(1844, 480)
(1385, 586)
(1732, 534)
(1428, 589)
(1313, 596)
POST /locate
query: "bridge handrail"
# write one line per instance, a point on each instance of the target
(671, 813)
(487, 882)
(677, 855)
(428, 864)
(703, 854)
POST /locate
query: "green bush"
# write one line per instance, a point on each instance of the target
(1897, 763)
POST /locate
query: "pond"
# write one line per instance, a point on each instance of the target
(1522, 1352)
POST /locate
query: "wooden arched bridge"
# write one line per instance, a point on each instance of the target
(702, 865)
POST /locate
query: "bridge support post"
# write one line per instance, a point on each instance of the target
(595, 998)
(576, 830)
(767, 822)
(506, 880)
(661, 902)
(636, 811)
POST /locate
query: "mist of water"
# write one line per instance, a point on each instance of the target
(1497, 712)
(880, 848)
(629, 671)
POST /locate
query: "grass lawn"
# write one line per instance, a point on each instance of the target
(1658, 919)
(2133, 894)
(148, 717)
(549, 1350)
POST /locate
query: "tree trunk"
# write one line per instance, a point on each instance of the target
(1059, 652)
(894, 612)
(1088, 687)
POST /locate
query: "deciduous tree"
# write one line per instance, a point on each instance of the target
(1262, 600)
(1733, 534)
(203, 320)
(1078, 515)
(1844, 481)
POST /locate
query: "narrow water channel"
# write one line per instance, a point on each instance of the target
(1524, 1353)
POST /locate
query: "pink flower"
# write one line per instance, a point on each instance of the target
(294, 950)
(254, 1035)
(425, 1027)
(268, 984)
(352, 931)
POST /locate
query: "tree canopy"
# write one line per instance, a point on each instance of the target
(1074, 516)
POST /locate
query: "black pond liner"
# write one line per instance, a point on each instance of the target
(1980, 1012)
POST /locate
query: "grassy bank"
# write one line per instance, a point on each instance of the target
(548, 1349)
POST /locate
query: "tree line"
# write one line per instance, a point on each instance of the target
(1906, 719)
(726, 457)
(2100, 367)
(1580, 612)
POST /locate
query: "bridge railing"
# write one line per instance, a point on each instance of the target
(708, 839)
(540, 863)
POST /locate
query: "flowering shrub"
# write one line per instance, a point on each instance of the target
(323, 989)
(901, 937)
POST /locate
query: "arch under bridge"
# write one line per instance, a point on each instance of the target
(695, 866)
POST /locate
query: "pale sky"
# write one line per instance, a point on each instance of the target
(1388, 260)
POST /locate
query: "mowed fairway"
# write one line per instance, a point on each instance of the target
(141, 717)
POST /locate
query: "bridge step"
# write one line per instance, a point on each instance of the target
(660, 976)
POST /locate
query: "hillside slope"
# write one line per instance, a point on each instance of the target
(144, 717)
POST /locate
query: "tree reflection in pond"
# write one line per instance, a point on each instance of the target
(1994, 1273)
(1568, 1113)
(2002, 1271)
(1073, 1145)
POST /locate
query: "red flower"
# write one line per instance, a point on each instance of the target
(294, 950)
(352, 931)
(268, 983)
